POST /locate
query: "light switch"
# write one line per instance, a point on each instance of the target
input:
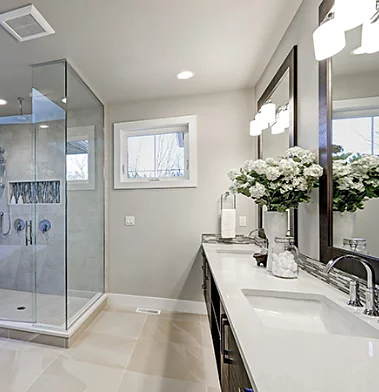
(130, 221)
(242, 221)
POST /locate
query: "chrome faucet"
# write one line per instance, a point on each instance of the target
(371, 307)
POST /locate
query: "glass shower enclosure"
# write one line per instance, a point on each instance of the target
(51, 197)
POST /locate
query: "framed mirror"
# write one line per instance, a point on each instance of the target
(274, 142)
(349, 151)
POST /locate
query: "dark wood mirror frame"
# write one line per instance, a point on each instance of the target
(289, 64)
(327, 251)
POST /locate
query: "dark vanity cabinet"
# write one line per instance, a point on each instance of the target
(232, 374)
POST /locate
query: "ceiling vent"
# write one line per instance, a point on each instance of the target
(25, 23)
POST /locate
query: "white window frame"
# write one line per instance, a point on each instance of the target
(124, 130)
(84, 133)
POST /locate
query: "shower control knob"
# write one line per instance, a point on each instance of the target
(19, 225)
(45, 225)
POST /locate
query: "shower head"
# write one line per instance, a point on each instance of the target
(21, 117)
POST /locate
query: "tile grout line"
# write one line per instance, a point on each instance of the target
(43, 371)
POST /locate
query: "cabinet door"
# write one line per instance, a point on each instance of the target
(238, 378)
(224, 353)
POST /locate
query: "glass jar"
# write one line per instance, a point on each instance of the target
(358, 245)
(285, 258)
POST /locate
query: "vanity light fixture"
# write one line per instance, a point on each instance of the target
(329, 38)
(185, 75)
(269, 113)
(370, 40)
(3, 102)
(277, 128)
(284, 117)
(255, 129)
(353, 13)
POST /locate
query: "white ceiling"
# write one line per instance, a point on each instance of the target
(131, 50)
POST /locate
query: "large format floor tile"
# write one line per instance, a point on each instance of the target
(33, 348)
(72, 376)
(138, 382)
(19, 369)
(118, 324)
(101, 349)
(170, 331)
(177, 316)
(168, 360)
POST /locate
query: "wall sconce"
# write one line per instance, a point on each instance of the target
(255, 129)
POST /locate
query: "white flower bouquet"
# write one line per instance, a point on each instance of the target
(278, 185)
(355, 180)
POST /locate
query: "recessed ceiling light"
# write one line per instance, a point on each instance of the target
(3, 102)
(64, 100)
(44, 126)
(185, 75)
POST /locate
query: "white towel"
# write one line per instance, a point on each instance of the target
(228, 223)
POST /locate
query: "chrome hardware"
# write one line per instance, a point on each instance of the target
(19, 225)
(29, 233)
(45, 225)
(371, 307)
(5, 234)
(354, 295)
(224, 351)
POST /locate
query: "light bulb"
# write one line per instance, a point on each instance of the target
(328, 39)
(255, 129)
(3, 102)
(352, 13)
(269, 112)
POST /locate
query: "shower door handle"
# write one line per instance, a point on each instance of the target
(29, 233)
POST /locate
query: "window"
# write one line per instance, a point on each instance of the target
(80, 158)
(155, 153)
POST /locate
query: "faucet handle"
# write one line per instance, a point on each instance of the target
(355, 299)
(371, 303)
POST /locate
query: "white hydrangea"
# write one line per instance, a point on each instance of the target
(300, 184)
(313, 171)
(257, 191)
(306, 157)
(259, 166)
(272, 173)
(289, 167)
(232, 174)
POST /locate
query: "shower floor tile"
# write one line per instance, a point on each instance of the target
(50, 310)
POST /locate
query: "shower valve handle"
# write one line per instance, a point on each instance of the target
(29, 233)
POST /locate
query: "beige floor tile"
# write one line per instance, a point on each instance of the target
(33, 348)
(117, 309)
(210, 368)
(101, 349)
(168, 360)
(213, 389)
(138, 382)
(206, 335)
(170, 331)
(178, 316)
(204, 319)
(20, 369)
(118, 324)
(72, 376)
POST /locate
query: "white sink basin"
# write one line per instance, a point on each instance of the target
(307, 313)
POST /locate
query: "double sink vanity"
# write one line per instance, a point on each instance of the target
(278, 335)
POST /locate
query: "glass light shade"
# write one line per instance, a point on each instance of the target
(370, 37)
(255, 129)
(352, 13)
(284, 118)
(277, 128)
(328, 39)
(261, 120)
(269, 112)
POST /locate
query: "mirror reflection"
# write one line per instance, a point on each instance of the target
(276, 139)
(355, 138)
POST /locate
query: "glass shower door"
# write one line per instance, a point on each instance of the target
(17, 215)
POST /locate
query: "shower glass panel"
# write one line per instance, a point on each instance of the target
(85, 197)
(49, 116)
(17, 242)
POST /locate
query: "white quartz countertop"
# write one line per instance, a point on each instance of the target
(280, 360)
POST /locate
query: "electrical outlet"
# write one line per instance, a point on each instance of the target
(243, 221)
(130, 221)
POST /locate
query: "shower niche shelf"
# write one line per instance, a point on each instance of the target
(34, 192)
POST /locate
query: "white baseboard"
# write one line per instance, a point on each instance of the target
(167, 304)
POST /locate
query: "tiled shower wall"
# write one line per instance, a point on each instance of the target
(17, 263)
(85, 226)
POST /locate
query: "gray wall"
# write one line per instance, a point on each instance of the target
(300, 33)
(159, 256)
